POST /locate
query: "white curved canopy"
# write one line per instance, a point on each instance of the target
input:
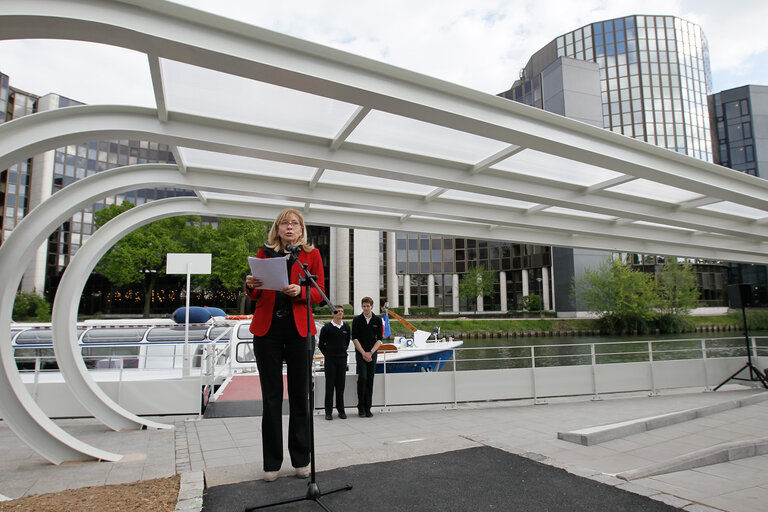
(258, 120)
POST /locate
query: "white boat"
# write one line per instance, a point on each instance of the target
(419, 352)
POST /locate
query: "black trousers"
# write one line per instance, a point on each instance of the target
(365, 373)
(335, 377)
(283, 343)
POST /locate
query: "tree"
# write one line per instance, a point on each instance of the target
(532, 302)
(140, 256)
(624, 299)
(678, 294)
(477, 282)
(31, 305)
(231, 243)
(676, 285)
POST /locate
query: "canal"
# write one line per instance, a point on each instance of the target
(515, 352)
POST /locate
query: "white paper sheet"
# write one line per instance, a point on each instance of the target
(273, 272)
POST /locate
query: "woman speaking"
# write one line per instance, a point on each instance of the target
(279, 329)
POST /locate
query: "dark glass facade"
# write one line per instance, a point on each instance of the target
(75, 162)
(738, 116)
(733, 135)
(421, 255)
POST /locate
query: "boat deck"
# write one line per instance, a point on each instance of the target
(228, 450)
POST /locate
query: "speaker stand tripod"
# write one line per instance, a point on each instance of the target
(754, 373)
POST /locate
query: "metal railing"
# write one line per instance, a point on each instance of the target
(537, 359)
(214, 359)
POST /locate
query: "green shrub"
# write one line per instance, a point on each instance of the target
(324, 310)
(416, 311)
(673, 323)
(30, 305)
(532, 302)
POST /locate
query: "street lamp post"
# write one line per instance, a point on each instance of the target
(541, 299)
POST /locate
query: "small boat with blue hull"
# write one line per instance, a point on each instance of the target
(421, 352)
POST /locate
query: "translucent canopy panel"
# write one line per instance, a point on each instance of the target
(277, 203)
(579, 213)
(657, 191)
(364, 182)
(409, 135)
(471, 197)
(551, 167)
(225, 161)
(210, 93)
(738, 210)
(664, 226)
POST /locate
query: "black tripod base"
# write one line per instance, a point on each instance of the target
(755, 375)
(313, 494)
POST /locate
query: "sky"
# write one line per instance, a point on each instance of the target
(481, 44)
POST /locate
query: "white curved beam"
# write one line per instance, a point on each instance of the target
(18, 407)
(175, 32)
(29, 234)
(36, 133)
(65, 306)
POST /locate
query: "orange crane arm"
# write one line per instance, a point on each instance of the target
(408, 325)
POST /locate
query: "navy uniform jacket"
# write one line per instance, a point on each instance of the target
(334, 341)
(367, 333)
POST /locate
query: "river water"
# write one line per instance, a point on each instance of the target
(491, 353)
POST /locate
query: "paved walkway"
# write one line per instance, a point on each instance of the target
(228, 450)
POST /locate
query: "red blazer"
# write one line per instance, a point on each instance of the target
(262, 315)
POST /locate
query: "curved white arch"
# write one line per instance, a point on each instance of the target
(67, 300)
(21, 412)
(18, 407)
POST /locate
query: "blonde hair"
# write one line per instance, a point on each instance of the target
(274, 241)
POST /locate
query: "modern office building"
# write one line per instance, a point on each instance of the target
(740, 141)
(651, 77)
(26, 184)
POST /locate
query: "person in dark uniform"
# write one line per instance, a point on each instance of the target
(334, 342)
(366, 335)
(279, 329)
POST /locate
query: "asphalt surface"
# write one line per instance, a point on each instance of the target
(473, 479)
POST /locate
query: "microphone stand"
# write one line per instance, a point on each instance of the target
(313, 490)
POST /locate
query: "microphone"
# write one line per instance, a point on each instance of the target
(293, 249)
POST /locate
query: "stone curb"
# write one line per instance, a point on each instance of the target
(724, 452)
(600, 434)
(191, 492)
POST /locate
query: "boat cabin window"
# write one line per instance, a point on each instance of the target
(114, 335)
(176, 333)
(220, 332)
(35, 336)
(243, 332)
(245, 353)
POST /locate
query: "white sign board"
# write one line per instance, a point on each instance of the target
(198, 263)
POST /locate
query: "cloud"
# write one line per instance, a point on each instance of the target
(86, 72)
(481, 44)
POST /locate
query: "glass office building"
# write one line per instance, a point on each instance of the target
(26, 184)
(654, 78)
